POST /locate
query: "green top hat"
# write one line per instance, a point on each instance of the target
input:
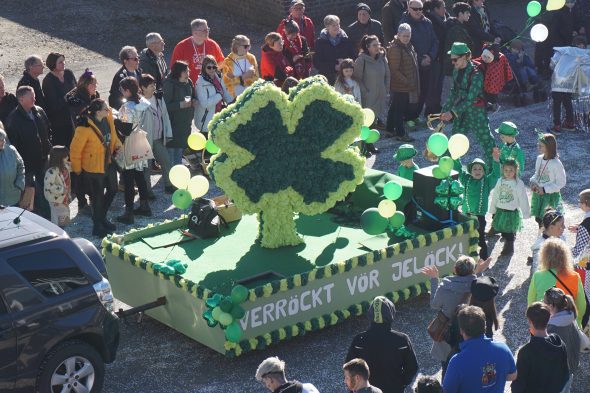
(405, 152)
(459, 49)
(477, 161)
(507, 128)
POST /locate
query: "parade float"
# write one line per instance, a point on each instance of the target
(312, 236)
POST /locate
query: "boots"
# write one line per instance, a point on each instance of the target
(127, 217)
(508, 248)
(143, 209)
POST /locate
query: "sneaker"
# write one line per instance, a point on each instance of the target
(555, 130)
(568, 126)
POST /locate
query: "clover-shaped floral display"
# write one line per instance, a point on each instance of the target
(281, 155)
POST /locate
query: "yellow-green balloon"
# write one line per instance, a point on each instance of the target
(211, 147)
(196, 141)
(438, 173)
(225, 318)
(181, 199)
(216, 313)
(446, 164)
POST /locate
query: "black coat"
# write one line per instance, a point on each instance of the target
(115, 96)
(390, 357)
(7, 105)
(327, 55)
(149, 65)
(478, 34)
(31, 139)
(356, 31)
(563, 24)
(28, 80)
(78, 101)
(57, 108)
(541, 366)
(440, 30)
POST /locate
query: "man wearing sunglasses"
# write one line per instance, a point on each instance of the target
(130, 60)
(465, 105)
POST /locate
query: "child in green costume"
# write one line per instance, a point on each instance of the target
(407, 166)
(478, 186)
(548, 180)
(510, 149)
(510, 205)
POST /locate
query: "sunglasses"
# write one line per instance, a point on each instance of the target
(416, 8)
(211, 67)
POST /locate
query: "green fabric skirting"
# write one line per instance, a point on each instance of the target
(540, 202)
(507, 221)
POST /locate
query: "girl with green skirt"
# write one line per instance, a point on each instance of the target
(548, 180)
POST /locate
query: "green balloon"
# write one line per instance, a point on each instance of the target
(373, 137)
(533, 8)
(392, 190)
(225, 319)
(237, 312)
(438, 173)
(211, 147)
(182, 199)
(446, 164)
(397, 220)
(365, 132)
(226, 304)
(215, 313)
(233, 332)
(438, 143)
(372, 222)
(239, 294)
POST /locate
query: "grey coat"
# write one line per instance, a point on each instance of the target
(374, 78)
(12, 175)
(445, 297)
(562, 324)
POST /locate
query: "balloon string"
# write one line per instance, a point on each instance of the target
(528, 24)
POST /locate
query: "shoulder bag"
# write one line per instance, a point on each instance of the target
(438, 328)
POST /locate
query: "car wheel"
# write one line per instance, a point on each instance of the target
(73, 366)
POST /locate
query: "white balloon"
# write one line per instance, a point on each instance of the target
(458, 146)
(198, 186)
(179, 176)
(539, 33)
(369, 117)
(386, 208)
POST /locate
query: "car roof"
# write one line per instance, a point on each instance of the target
(30, 228)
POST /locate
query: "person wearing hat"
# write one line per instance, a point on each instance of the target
(478, 184)
(465, 105)
(404, 155)
(510, 149)
(271, 372)
(388, 353)
(364, 25)
(306, 27)
(483, 292)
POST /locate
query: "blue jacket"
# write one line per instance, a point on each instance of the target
(12, 175)
(423, 36)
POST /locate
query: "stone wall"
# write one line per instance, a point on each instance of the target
(270, 12)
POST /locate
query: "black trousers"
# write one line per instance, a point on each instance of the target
(132, 177)
(483, 246)
(96, 184)
(428, 89)
(509, 236)
(399, 110)
(560, 98)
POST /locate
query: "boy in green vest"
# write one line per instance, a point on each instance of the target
(510, 149)
(407, 166)
(478, 186)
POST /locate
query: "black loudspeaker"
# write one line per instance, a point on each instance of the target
(424, 194)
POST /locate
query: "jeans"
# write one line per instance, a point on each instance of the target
(133, 177)
(525, 75)
(560, 98)
(175, 154)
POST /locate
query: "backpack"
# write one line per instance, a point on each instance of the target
(203, 220)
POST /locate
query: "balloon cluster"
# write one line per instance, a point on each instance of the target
(188, 188)
(198, 142)
(368, 135)
(448, 194)
(375, 221)
(539, 32)
(438, 144)
(226, 311)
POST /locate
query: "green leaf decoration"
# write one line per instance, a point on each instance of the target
(455, 202)
(456, 188)
(443, 188)
(442, 202)
(283, 155)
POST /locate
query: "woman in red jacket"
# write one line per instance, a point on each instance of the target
(274, 66)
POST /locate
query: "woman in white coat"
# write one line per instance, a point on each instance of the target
(212, 95)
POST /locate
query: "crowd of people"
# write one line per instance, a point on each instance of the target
(60, 141)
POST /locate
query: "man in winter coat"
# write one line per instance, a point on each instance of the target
(456, 32)
(28, 130)
(436, 11)
(306, 27)
(481, 27)
(542, 362)
(426, 44)
(391, 14)
(130, 60)
(388, 353)
(465, 105)
(271, 372)
(364, 25)
(332, 46)
(33, 70)
(152, 58)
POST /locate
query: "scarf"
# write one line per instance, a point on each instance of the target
(218, 89)
(484, 19)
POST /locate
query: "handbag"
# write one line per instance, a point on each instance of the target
(203, 220)
(438, 328)
(137, 148)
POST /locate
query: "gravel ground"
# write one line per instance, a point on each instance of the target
(155, 358)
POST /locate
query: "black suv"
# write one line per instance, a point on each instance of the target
(57, 327)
